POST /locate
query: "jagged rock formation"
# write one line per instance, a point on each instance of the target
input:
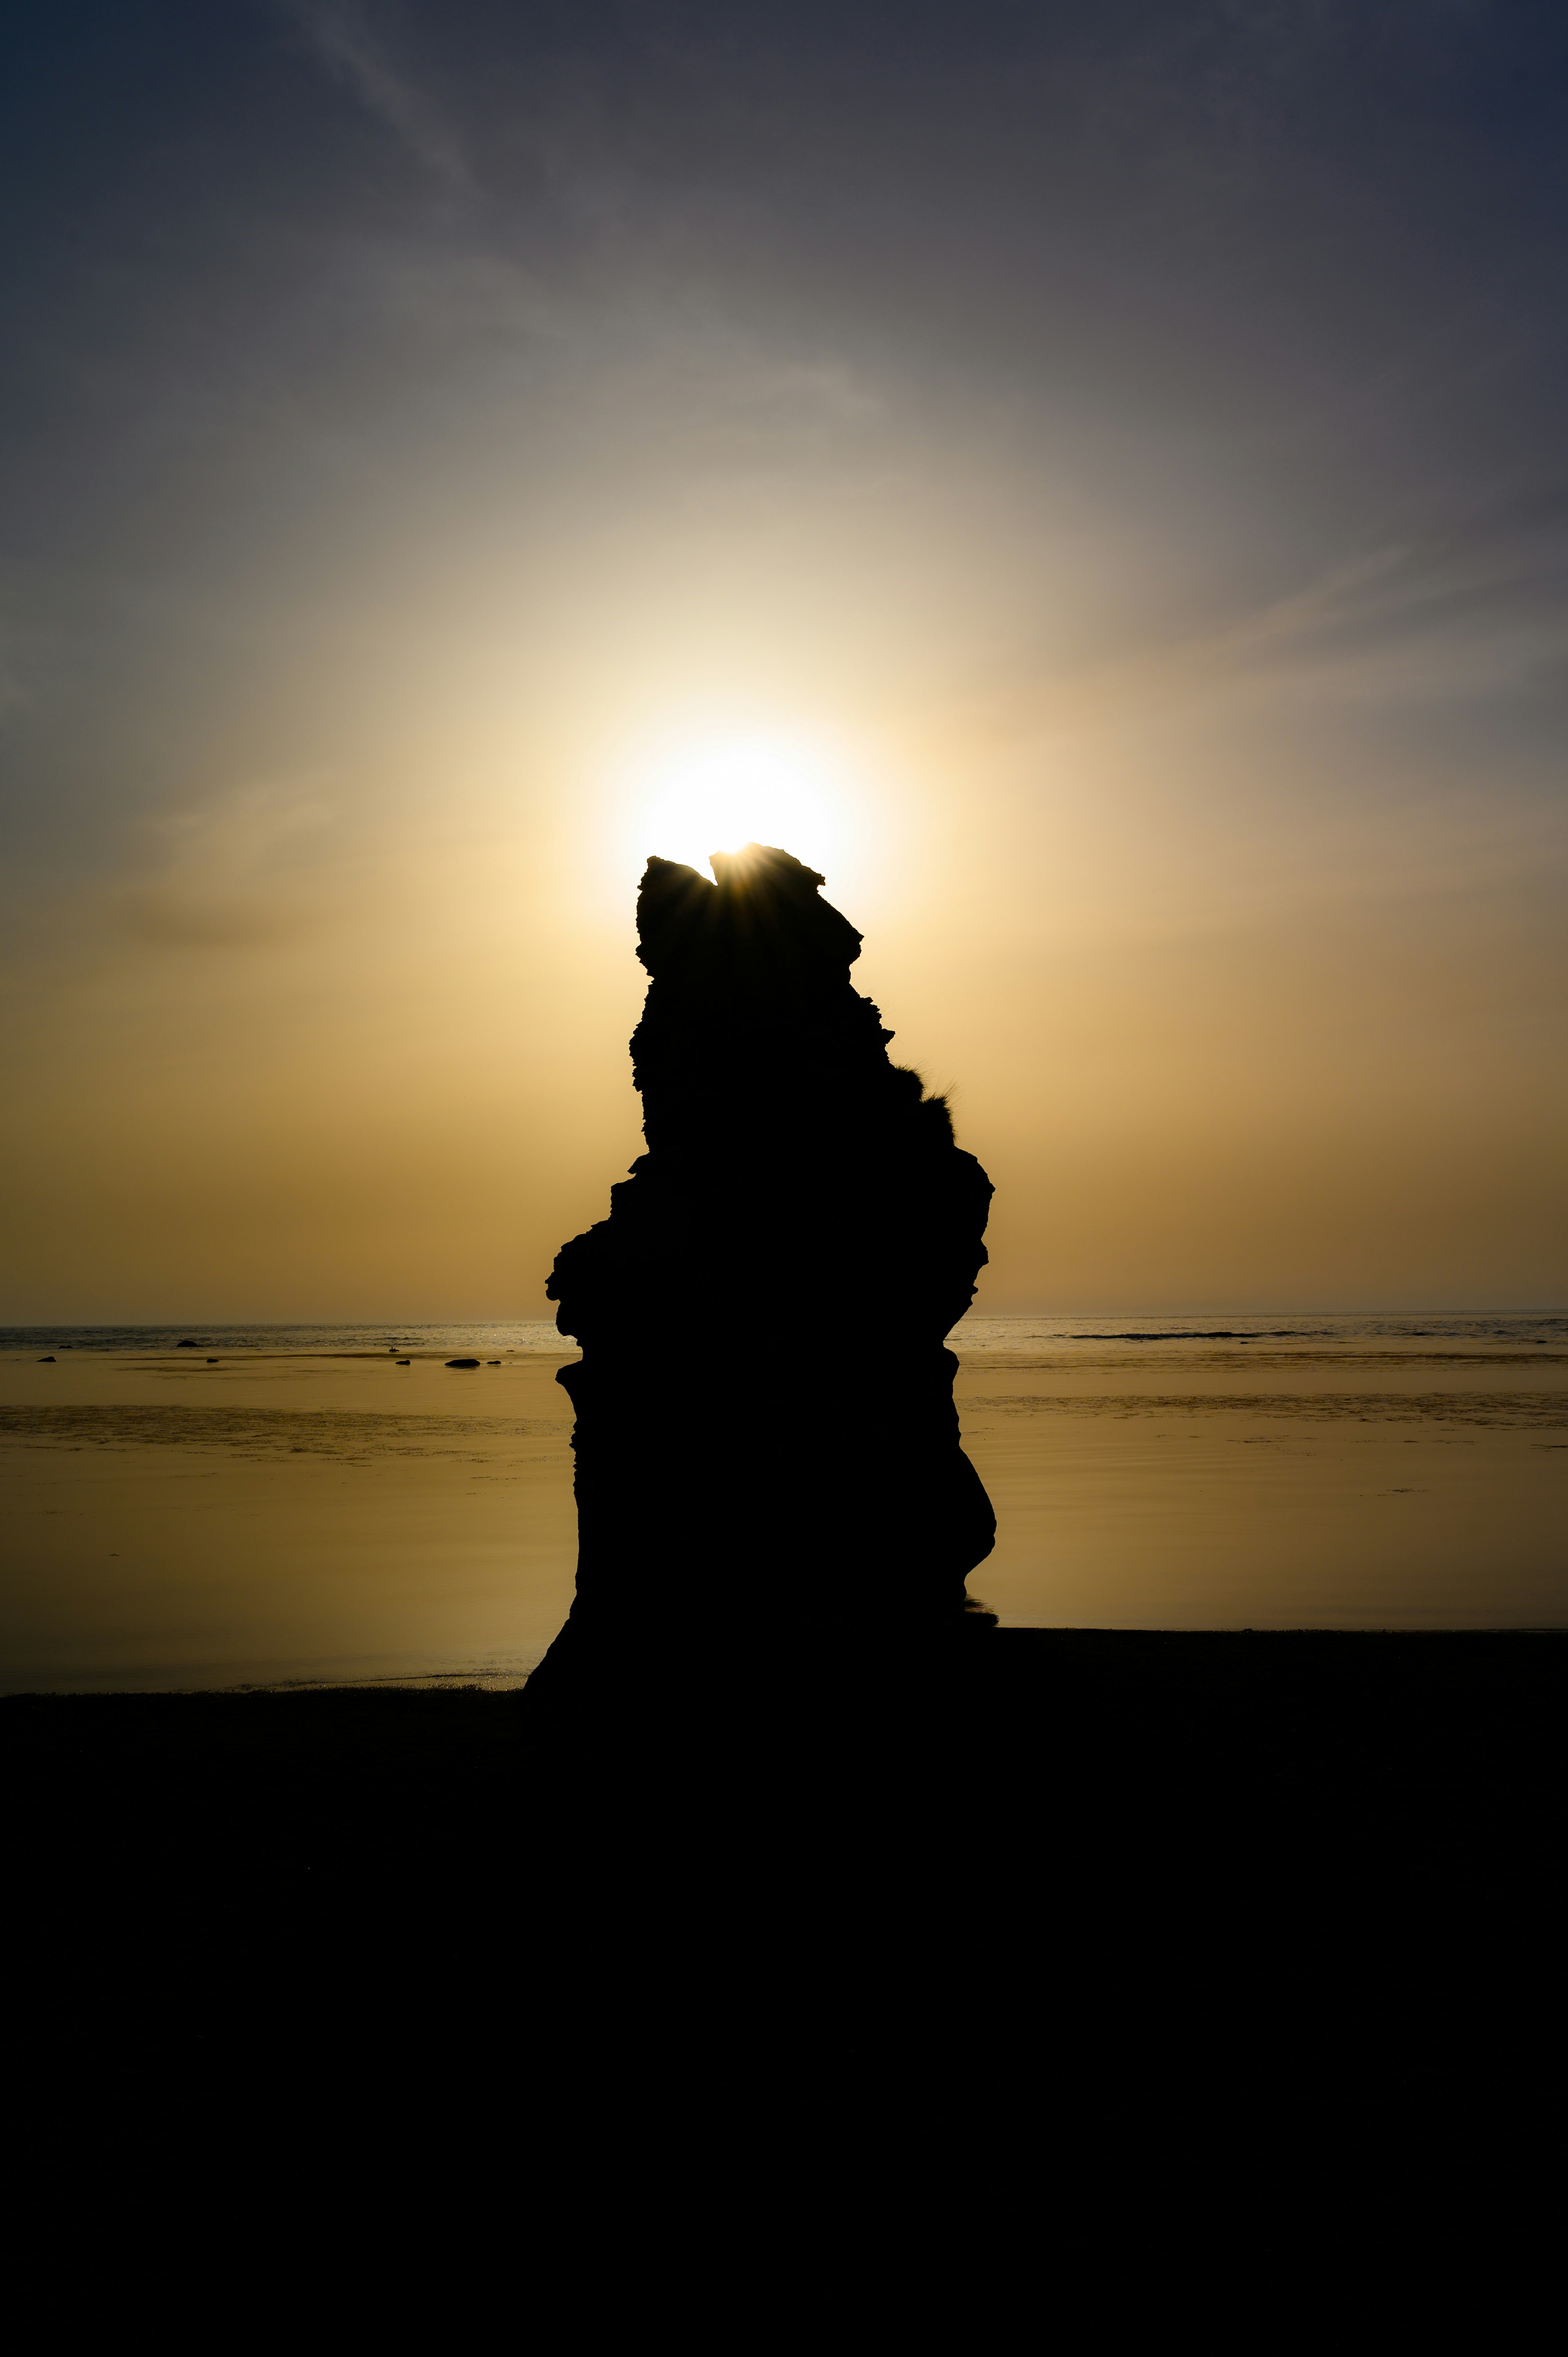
(764, 1429)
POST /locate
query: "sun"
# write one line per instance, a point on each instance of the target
(694, 799)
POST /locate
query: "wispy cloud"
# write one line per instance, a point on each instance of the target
(233, 871)
(1471, 613)
(347, 45)
(1477, 611)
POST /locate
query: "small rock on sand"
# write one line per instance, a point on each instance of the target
(50, 1360)
(462, 1363)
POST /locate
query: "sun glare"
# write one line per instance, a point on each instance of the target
(692, 800)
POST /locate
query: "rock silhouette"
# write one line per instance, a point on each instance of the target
(766, 1436)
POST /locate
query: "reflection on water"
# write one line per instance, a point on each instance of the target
(1375, 1509)
(292, 1502)
(283, 1513)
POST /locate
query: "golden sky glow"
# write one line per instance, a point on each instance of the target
(688, 796)
(457, 489)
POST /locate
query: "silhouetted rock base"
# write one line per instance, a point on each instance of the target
(754, 1697)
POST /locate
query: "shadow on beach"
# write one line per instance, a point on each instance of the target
(1138, 1855)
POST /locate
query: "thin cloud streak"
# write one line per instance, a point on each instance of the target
(1395, 628)
(344, 41)
(238, 869)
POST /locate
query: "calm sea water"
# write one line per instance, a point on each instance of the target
(1346, 1329)
(517, 1334)
(975, 1334)
(333, 1502)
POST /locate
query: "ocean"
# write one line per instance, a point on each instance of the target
(194, 1506)
(1339, 1330)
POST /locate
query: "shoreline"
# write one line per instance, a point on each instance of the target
(1010, 1634)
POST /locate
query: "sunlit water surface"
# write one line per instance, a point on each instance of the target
(215, 1506)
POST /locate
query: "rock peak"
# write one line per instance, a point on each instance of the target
(795, 1177)
(765, 909)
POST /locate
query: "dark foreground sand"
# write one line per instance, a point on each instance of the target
(1315, 1873)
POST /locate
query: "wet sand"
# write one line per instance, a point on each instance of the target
(327, 1516)
(308, 1517)
(1274, 1489)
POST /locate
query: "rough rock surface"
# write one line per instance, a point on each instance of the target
(766, 1434)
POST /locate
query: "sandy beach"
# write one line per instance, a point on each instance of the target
(1185, 1887)
(329, 1515)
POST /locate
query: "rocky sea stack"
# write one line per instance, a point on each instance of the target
(766, 1436)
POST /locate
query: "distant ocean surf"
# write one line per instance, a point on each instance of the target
(517, 1334)
(974, 1333)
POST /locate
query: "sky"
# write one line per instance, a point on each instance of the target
(1090, 478)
